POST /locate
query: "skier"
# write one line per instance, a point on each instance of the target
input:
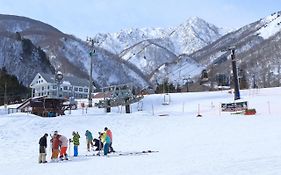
(42, 148)
(109, 133)
(64, 144)
(55, 147)
(106, 140)
(75, 141)
(89, 138)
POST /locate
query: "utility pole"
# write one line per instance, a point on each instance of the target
(234, 70)
(92, 42)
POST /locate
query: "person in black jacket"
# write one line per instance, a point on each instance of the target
(98, 144)
(42, 149)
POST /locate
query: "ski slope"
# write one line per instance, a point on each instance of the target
(215, 144)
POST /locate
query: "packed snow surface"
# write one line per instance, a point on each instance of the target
(215, 144)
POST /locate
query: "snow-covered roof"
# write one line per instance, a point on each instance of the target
(75, 81)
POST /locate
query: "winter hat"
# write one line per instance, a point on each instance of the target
(45, 134)
(105, 128)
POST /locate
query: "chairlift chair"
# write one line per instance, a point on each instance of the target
(167, 99)
(140, 105)
(204, 77)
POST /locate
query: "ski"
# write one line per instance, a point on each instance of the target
(113, 154)
(120, 153)
(60, 161)
(132, 153)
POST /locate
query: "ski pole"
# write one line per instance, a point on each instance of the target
(69, 147)
(99, 146)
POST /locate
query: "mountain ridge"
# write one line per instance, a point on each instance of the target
(147, 56)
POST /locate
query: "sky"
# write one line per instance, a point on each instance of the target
(84, 18)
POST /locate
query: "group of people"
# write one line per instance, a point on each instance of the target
(60, 143)
(104, 141)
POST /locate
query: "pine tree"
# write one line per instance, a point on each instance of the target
(15, 90)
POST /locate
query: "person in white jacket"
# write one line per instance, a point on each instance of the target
(64, 144)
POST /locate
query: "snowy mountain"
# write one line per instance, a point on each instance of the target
(65, 53)
(18, 55)
(186, 38)
(144, 56)
(137, 54)
(272, 25)
(194, 34)
(257, 51)
(117, 42)
(150, 50)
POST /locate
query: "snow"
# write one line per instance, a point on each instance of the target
(193, 34)
(119, 41)
(272, 26)
(215, 144)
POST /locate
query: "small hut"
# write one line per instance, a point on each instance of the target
(47, 107)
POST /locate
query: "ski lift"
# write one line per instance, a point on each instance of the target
(204, 76)
(140, 105)
(167, 99)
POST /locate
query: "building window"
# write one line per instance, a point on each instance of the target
(70, 88)
(80, 89)
(54, 86)
(65, 88)
(86, 90)
(80, 95)
(43, 88)
(48, 87)
(76, 89)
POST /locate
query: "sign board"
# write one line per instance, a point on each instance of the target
(234, 107)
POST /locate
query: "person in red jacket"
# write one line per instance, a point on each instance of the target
(109, 133)
(55, 147)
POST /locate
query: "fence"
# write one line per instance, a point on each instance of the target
(13, 110)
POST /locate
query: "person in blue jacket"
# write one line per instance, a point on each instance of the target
(89, 138)
(106, 140)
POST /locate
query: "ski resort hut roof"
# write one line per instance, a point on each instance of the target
(69, 86)
(75, 81)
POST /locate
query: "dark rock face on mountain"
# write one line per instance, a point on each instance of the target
(20, 57)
